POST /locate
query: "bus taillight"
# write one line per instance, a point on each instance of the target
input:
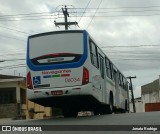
(29, 81)
(85, 79)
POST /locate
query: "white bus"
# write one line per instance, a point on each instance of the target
(66, 69)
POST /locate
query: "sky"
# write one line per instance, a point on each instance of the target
(127, 31)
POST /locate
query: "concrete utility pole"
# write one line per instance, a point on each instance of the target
(131, 88)
(65, 23)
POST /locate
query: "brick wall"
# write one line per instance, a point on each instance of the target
(8, 110)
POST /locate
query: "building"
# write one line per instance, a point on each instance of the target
(138, 104)
(151, 92)
(151, 96)
(13, 101)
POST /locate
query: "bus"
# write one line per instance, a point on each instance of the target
(67, 70)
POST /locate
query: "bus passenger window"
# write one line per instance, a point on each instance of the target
(114, 74)
(120, 80)
(94, 54)
(108, 69)
(111, 69)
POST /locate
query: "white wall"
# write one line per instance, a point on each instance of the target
(151, 97)
(139, 107)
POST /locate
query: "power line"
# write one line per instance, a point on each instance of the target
(115, 11)
(131, 46)
(136, 59)
(122, 7)
(11, 67)
(98, 16)
(14, 30)
(24, 19)
(25, 14)
(12, 50)
(94, 14)
(40, 14)
(131, 15)
(12, 54)
(84, 10)
(21, 17)
(134, 54)
(4, 36)
(13, 59)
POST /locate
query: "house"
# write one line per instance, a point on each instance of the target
(13, 101)
(151, 96)
(138, 104)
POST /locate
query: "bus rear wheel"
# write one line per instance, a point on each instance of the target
(110, 106)
(69, 113)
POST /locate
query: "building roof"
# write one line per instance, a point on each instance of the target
(150, 87)
(9, 76)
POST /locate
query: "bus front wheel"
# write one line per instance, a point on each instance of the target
(110, 106)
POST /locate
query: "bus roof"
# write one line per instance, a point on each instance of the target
(57, 32)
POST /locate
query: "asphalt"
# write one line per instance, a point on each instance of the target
(118, 123)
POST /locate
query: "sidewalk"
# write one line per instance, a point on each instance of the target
(3, 120)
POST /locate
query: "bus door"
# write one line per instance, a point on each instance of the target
(102, 73)
(117, 89)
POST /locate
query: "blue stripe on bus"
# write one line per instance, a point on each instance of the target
(60, 66)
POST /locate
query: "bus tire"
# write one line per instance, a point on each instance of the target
(125, 110)
(126, 107)
(110, 106)
(96, 112)
(69, 113)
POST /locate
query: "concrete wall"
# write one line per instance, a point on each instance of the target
(150, 93)
(8, 110)
(139, 107)
(45, 111)
(151, 97)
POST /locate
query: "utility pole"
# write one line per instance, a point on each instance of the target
(65, 23)
(131, 88)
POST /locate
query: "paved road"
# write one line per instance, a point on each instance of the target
(150, 118)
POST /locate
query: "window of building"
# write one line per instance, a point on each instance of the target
(7, 95)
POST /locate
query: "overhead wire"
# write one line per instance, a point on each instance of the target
(121, 7)
(17, 17)
(14, 30)
(94, 14)
(130, 46)
(11, 67)
(25, 14)
(84, 10)
(4, 36)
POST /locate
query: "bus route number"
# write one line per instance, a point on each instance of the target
(72, 79)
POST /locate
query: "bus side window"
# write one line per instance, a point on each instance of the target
(108, 68)
(122, 82)
(114, 74)
(120, 79)
(94, 54)
(101, 65)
